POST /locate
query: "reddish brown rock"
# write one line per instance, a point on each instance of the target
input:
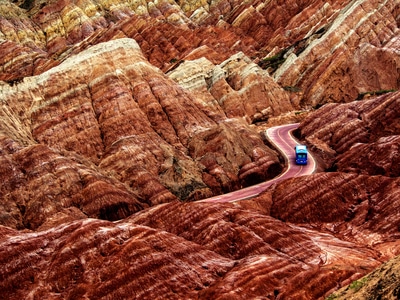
(165, 44)
(138, 126)
(102, 132)
(379, 158)
(25, 61)
(194, 250)
(340, 198)
(42, 187)
(239, 86)
(335, 128)
(342, 63)
(286, 259)
(356, 208)
(239, 163)
(98, 259)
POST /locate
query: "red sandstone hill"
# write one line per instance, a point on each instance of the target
(115, 116)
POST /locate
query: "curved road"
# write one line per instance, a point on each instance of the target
(284, 141)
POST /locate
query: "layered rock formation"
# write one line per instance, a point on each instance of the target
(352, 54)
(331, 51)
(98, 259)
(378, 158)
(230, 82)
(42, 188)
(336, 131)
(194, 251)
(382, 283)
(360, 140)
(111, 112)
(133, 124)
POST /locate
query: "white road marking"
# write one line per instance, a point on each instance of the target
(252, 191)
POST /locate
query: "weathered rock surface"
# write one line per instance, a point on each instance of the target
(379, 158)
(115, 110)
(336, 130)
(368, 203)
(356, 53)
(135, 125)
(232, 81)
(360, 138)
(101, 260)
(194, 250)
(331, 51)
(42, 188)
(383, 283)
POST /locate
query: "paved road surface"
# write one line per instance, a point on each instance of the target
(283, 140)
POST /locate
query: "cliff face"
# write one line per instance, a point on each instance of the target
(330, 51)
(352, 134)
(179, 250)
(348, 56)
(132, 123)
(114, 113)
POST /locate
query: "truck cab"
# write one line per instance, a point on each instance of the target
(301, 154)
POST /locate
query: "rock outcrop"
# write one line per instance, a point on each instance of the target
(194, 250)
(99, 259)
(356, 53)
(115, 116)
(42, 188)
(335, 131)
(133, 124)
(363, 203)
(383, 283)
(378, 158)
(230, 82)
(331, 51)
(360, 202)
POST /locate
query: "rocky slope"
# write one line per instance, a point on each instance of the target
(193, 251)
(113, 113)
(383, 283)
(128, 121)
(350, 135)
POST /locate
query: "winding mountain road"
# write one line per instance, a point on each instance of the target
(283, 140)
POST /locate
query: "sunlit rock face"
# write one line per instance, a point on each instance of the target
(331, 51)
(131, 123)
(114, 113)
(378, 158)
(336, 131)
(350, 58)
(239, 86)
(182, 250)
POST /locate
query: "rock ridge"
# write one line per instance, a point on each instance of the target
(116, 116)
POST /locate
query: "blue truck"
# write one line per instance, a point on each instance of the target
(301, 154)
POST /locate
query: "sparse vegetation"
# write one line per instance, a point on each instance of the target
(331, 297)
(356, 285)
(273, 62)
(293, 89)
(373, 93)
